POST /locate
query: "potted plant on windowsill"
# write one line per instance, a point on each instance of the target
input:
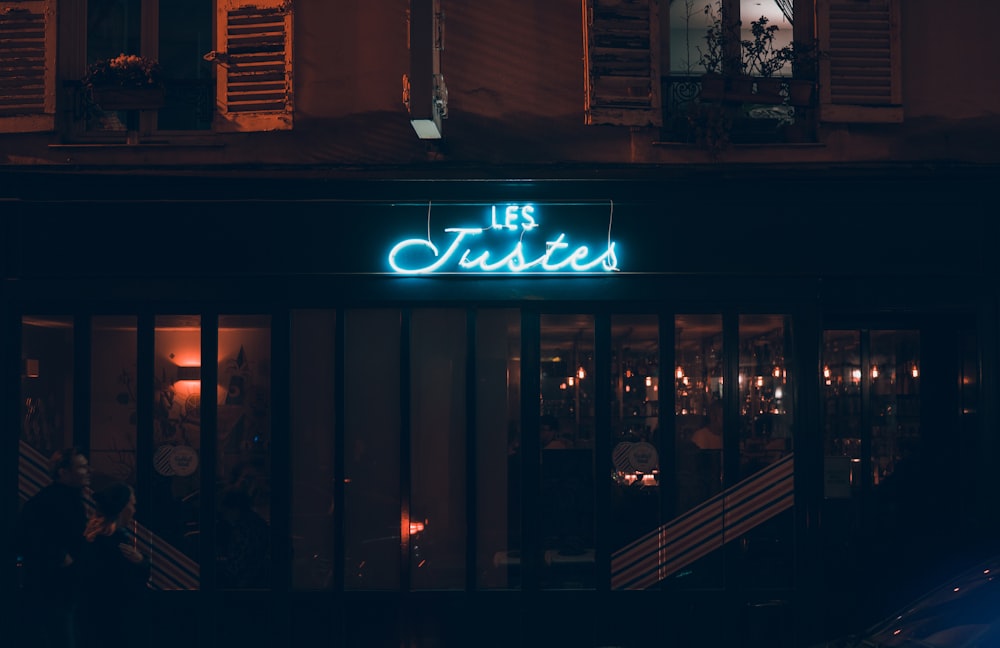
(804, 57)
(713, 83)
(763, 61)
(125, 82)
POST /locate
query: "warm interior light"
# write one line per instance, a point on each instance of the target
(874, 371)
(581, 373)
(571, 380)
(649, 381)
(856, 375)
(915, 372)
(31, 367)
(680, 372)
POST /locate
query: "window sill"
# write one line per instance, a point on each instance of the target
(142, 144)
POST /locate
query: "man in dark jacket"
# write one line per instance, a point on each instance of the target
(51, 537)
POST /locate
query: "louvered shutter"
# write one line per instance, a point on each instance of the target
(254, 86)
(860, 70)
(27, 66)
(621, 58)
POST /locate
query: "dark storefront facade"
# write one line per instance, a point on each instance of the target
(496, 412)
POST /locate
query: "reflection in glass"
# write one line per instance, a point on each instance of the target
(765, 394)
(895, 390)
(243, 398)
(176, 479)
(371, 443)
(567, 429)
(114, 350)
(841, 389)
(436, 526)
(498, 447)
(312, 389)
(698, 384)
(47, 383)
(635, 382)
(766, 377)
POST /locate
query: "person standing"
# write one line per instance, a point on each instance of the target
(114, 574)
(50, 534)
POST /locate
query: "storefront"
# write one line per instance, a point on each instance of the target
(494, 409)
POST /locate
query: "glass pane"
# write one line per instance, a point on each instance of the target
(46, 386)
(698, 419)
(567, 433)
(765, 397)
(762, 500)
(371, 441)
(185, 29)
(698, 408)
(243, 472)
(114, 350)
(635, 388)
(312, 445)
(841, 413)
(438, 463)
(688, 24)
(113, 28)
(895, 389)
(176, 480)
(498, 447)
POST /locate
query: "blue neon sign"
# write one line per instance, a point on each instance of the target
(510, 243)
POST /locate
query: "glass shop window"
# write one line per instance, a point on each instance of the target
(114, 351)
(243, 473)
(697, 378)
(313, 418)
(436, 531)
(499, 457)
(762, 499)
(635, 412)
(46, 393)
(567, 428)
(895, 390)
(176, 480)
(372, 447)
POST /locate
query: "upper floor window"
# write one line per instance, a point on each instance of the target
(226, 64)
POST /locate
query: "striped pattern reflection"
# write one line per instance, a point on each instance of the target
(170, 569)
(705, 528)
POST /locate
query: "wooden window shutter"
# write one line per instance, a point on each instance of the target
(621, 59)
(254, 77)
(860, 69)
(27, 66)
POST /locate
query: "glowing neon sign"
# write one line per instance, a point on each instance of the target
(472, 249)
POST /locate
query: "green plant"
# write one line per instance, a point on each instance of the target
(760, 57)
(714, 54)
(124, 70)
(804, 57)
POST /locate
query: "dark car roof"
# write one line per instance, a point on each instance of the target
(963, 612)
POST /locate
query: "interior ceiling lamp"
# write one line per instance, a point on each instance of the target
(424, 92)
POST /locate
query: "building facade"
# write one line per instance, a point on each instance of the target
(518, 330)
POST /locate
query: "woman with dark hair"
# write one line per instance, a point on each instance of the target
(115, 573)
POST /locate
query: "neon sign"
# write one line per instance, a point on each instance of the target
(474, 249)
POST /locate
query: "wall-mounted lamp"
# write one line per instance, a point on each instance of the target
(188, 373)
